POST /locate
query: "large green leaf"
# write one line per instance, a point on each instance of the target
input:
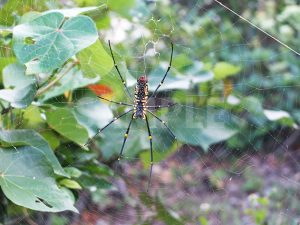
(48, 41)
(35, 141)
(26, 178)
(201, 126)
(72, 80)
(64, 122)
(95, 61)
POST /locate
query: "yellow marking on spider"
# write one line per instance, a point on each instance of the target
(126, 135)
(150, 137)
(163, 122)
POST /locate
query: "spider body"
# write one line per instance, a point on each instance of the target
(139, 107)
(140, 98)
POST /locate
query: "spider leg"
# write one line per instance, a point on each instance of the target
(119, 103)
(125, 138)
(160, 106)
(100, 130)
(151, 152)
(164, 123)
(116, 66)
(169, 67)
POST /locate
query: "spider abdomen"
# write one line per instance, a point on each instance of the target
(140, 98)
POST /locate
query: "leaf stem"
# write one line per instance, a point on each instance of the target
(42, 90)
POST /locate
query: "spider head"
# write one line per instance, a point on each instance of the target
(142, 79)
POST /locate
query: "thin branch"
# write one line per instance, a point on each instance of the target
(42, 90)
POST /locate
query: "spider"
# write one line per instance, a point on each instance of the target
(140, 107)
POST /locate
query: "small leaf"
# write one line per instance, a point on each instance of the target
(64, 122)
(100, 89)
(73, 172)
(282, 117)
(54, 40)
(223, 70)
(72, 184)
(26, 178)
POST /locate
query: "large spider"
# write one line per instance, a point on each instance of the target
(140, 107)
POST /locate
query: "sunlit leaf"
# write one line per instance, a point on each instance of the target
(223, 70)
(48, 41)
(95, 61)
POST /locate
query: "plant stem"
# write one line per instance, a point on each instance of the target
(42, 90)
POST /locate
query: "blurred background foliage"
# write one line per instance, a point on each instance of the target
(233, 86)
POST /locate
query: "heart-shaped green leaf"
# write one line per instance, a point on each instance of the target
(48, 41)
(26, 178)
(35, 141)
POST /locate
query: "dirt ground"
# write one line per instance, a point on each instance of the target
(218, 188)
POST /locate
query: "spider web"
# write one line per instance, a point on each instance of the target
(190, 183)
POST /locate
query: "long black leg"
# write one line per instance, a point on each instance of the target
(151, 152)
(164, 77)
(116, 66)
(100, 130)
(119, 103)
(125, 138)
(163, 122)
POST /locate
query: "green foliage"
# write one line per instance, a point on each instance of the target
(95, 61)
(63, 121)
(27, 180)
(53, 40)
(49, 57)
